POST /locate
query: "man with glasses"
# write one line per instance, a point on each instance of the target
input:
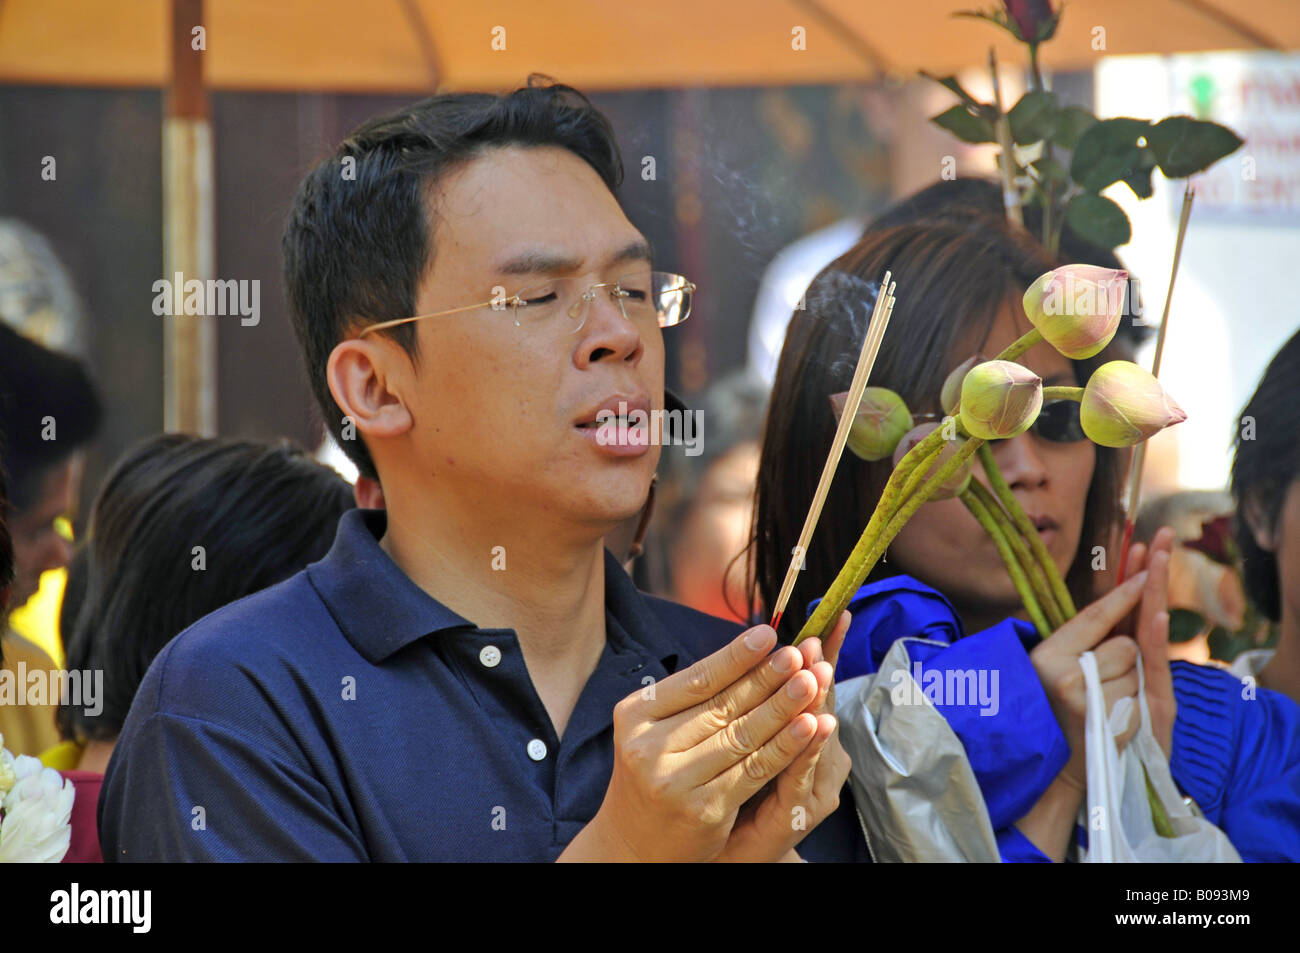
(469, 674)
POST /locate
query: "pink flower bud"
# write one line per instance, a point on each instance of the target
(881, 421)
(1077, 308)
(1123, 405)
(1000, 399)
(955, 483)
(950, 394)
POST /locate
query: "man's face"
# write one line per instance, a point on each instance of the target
(38, 547)
(496, 408)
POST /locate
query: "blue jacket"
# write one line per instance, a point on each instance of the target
(1236, 747)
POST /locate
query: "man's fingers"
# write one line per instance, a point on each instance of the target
(711, 674)
(1095, 622)
(796, 783)
(743, 779)
(736, 742)
(688, 728)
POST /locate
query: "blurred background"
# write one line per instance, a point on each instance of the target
(759, 136)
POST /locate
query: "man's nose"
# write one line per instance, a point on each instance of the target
(608, 332)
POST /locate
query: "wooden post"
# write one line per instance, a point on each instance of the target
(189, 340)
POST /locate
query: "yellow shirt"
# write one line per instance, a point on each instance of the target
(27, 729)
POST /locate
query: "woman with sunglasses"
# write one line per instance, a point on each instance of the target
(959, 288)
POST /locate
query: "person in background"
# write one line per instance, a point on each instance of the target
(181, 527)
(49, 413)
(1266, 489)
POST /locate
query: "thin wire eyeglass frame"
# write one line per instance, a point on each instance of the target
(678, 284)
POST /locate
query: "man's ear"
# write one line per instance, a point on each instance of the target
(366, 379)
(1257, 521)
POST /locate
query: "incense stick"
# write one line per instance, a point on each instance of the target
(1134, 489)
(880, 314)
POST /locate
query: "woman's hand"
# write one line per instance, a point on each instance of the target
(1057, 661)
(1153, 634)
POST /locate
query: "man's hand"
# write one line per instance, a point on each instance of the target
(808, 791)
(690, 750)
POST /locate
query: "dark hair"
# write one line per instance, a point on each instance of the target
(952, 280)
(360, 234)
(1264, 467)
(968, 198)
(37, 383)
(260, 511)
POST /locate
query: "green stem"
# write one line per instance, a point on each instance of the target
(855, 569)
(1020, 345)
(1062, 393)
(867, 552)
(1008, 499)
(1037, 580)
(997, 532)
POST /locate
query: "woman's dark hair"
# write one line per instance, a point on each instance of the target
(260, 512)
(40, 389)
(1264, 465)
(360, 233)
(961, 199)
(952, 279)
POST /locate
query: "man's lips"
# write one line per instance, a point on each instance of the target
(614, 406)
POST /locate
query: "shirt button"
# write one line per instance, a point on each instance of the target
(537, 749)
(490, 656)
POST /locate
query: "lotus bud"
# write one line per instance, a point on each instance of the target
(1000, 399)
(881, 421)
(950, 394)
(1124, 405)
(1077, 308)
(954, 485)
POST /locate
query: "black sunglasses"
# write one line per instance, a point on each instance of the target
(1058, 422)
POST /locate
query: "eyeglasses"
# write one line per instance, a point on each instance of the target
(560, 305)
(1057, 422)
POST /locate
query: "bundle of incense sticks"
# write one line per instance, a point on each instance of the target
(1134, 490)
(866, 360)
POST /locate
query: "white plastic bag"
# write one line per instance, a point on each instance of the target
(1117, 814)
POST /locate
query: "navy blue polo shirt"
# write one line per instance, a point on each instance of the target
(346, 715)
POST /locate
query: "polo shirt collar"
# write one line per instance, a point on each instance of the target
(381, 610)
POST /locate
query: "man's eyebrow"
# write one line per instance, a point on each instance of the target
(638, 250)
(537, 261)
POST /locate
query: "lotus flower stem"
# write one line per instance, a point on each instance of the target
(1020, 345)
(868, 551)
(890, 498)
(997, 532)
(1003, 492)
(1063, 393)
(1042, 590)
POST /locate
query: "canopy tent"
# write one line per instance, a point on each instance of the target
(419, 46)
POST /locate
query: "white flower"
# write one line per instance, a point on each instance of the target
(36, 803)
